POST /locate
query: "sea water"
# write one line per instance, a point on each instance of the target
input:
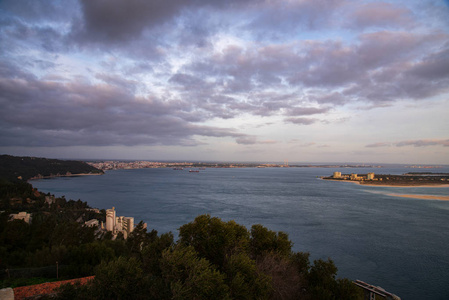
(400, 244)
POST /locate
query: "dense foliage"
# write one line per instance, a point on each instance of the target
(211, 259)
(13, 167)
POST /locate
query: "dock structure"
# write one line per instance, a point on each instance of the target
(371, 291)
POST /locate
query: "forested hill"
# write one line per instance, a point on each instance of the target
(15, 167)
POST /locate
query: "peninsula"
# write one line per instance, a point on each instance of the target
(404, 180)
(26, 168)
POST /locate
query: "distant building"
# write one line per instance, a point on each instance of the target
(336, 175)
(115, 224)
(22, 216)
(370, 176)
(354, 176)
(110, 219)
(92, 223)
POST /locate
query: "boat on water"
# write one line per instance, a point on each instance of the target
(194, 171)
(180, 169)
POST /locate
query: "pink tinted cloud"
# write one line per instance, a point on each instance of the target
(380, 14)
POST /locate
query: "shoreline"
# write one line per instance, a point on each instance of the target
(425, 197)
(416, 196)
(65, 175)
(391, 185)
(408, 186)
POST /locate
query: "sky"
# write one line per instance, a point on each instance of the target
(236, 80)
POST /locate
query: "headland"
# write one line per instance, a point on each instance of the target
(404, 180)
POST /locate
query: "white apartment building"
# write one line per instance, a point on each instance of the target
(121, 224)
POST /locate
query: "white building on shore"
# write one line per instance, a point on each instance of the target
(336, 175)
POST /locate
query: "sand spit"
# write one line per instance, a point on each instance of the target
(426, 197)
(391, 184)
(405, 186)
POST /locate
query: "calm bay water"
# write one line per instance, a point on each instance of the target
(400, 244)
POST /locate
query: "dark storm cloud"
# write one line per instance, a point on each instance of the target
(42, 113)
(118, 20)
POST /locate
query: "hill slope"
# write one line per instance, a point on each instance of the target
(16, 167)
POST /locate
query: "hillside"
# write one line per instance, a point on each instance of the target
(25, 168)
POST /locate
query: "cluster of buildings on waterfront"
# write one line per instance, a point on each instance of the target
(117, 165)
(114, 224)
(353, 176)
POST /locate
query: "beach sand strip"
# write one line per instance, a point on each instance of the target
(426, 197)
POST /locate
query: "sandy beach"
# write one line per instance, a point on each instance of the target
(392, 184)
(405, 186)
(427, 197)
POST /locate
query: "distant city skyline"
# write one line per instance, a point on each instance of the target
(246, 81)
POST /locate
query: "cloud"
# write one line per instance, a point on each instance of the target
(45, 113)
(301, 143)
(278, 18)
(415, 143)
(115, 21)
(379, 14)
(300, 121)
(378, 145)
(252, 140)
(246, 140)
(306, 111)
(424, 143)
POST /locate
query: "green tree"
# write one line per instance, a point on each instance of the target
(192, 277)
(139, 238)
(15, 235)
(244, 280)
(152, 253)
(214, 239)
(286, 281)
(120, 279)
(264, 241)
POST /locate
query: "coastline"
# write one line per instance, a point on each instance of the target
(391, 185)
(64, 175)
(407, 186)
(425, 197)
(416, 196)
